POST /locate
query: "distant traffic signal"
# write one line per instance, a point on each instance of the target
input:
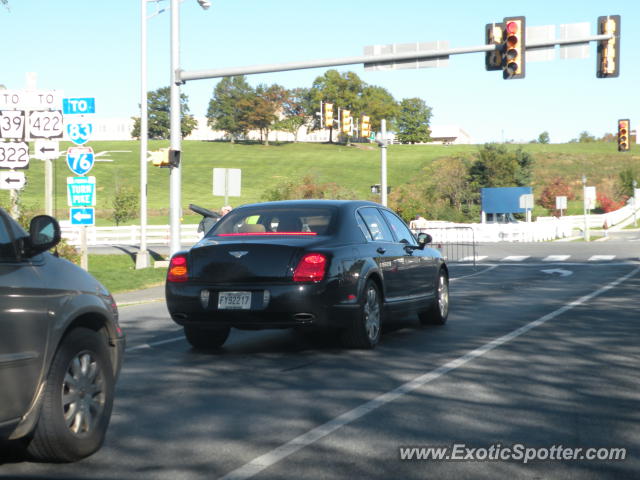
(160, 158)
(494, 35)
(365, 126)
(346, 122)
(624, 140)
(608, 50)
(328, 115)
(513, 61)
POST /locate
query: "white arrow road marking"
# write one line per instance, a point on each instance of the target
(559, 271)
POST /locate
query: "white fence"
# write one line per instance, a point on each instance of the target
(542, 230)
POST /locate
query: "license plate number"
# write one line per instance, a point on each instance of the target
(234, 300)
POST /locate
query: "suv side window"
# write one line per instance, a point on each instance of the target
(376, 225)
(7, 249)
(402, 233)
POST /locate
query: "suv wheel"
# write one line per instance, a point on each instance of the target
(77, 401)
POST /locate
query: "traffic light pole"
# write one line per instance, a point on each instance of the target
(184, 76)
(383, 162)
(175, 132)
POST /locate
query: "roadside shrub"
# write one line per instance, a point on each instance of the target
(557, 188)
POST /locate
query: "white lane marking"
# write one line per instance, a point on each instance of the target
(471, 259)
(601, 258)
(153, 344)
(515, 258)
(269, 459)
(488, 269)
(556, 258)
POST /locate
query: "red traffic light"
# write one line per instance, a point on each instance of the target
(512, 28)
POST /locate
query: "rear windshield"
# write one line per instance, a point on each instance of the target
(275, 221)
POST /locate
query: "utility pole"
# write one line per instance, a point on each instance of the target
(383, 162)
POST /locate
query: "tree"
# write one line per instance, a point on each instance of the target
(379, 104)
(228, 107)
(496, 166)
(625, 182)
(308, 187)
(558, 187)
(295, 108)
(260, 111)
(159, 123)
(413, 121)
(341, 89)
(543, 137)
(125, 204)
(586, 137)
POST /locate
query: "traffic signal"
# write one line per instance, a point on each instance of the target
(514, 48)
(608, 50)
(346, 122)
(365, 126)
(493, 35)
(328, 115)
(160, 158)
(624, 140)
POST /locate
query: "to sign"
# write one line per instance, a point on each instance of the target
(80, 159)
(45, 124)
(14, 155)
(47, 149)
(12, 124)
(12, 180)
(79, 132)
(81, 191)
(78, 106)
(31, 99)
(82, 216)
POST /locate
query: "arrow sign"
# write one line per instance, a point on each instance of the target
(47, 149)
(559, 271)
(82, 216)
(12, 180)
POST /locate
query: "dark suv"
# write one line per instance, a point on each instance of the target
(61, 347)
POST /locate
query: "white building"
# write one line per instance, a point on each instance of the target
(120, 129)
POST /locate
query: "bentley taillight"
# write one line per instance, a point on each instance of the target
(310, 268)
(178, 271)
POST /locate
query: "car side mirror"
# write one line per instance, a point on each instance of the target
(44, 234)
(424, 239)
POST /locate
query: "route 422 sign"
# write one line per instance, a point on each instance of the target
(80, 159)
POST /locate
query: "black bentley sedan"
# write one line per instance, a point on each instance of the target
(334, 264)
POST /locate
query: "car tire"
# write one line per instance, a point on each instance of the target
(438, 313)
(206, 338)
(364, 332)
(77, 399)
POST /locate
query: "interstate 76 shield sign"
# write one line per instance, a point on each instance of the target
(80, 159)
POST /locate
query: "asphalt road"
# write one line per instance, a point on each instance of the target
(531, 355)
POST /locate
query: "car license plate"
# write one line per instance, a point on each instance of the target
(234, 300)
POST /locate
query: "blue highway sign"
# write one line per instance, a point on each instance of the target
(80, 159)
(82, 216)
(78, 106)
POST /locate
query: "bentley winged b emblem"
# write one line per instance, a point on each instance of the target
(238, 254)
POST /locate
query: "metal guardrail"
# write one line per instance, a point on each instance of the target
(457, 243)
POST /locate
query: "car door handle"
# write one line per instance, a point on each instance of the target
(380, 250)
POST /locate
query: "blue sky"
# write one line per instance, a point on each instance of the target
(92, 48)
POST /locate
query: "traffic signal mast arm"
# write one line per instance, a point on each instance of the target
(184, 76)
